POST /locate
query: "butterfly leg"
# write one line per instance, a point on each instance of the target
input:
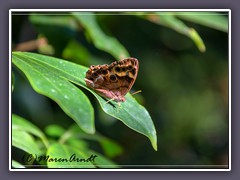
(89, 83)
(105, 93)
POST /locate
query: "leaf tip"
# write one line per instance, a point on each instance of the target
(197, 39)
(153, 140)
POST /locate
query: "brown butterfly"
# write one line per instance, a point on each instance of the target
(113, 81)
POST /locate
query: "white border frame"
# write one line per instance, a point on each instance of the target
(115, 10)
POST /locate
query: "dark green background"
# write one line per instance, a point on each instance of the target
(184, 90)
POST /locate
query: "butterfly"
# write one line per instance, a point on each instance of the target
(113, 81)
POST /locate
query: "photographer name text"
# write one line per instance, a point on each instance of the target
(47, 158)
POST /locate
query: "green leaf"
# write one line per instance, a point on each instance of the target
(133, 115)
(50, 77)
(65, 21)
(61, 156)
(209, 19)
(102, 161)
(46, 25)
(110, 147)
(76, 52)
(77, 143)
(129, 112)
(25, 142)
(169, 20)
(54, 130)
(98, 37)
(197, 39)
(21, 124)
(16, 164)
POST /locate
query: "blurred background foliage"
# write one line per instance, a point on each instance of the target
(183, 76)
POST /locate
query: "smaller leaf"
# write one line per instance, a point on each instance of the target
(16, 164)
(54, 130)
(76, 52)
(110, 147)
(208, 19)
(101, 161)
(52, 27)
(169, 20)
(21, 124)
(25, 142)
(77, 143)
(99, 38)
(65, 21)
(197, 39)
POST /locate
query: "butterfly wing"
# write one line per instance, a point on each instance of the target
(125, 72)
(114, 80)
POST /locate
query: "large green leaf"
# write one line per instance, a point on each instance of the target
(47, 77)
(21, 124)
(50, 76)
(133, 115)
(98, 37)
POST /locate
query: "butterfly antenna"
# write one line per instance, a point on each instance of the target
(136, 92)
